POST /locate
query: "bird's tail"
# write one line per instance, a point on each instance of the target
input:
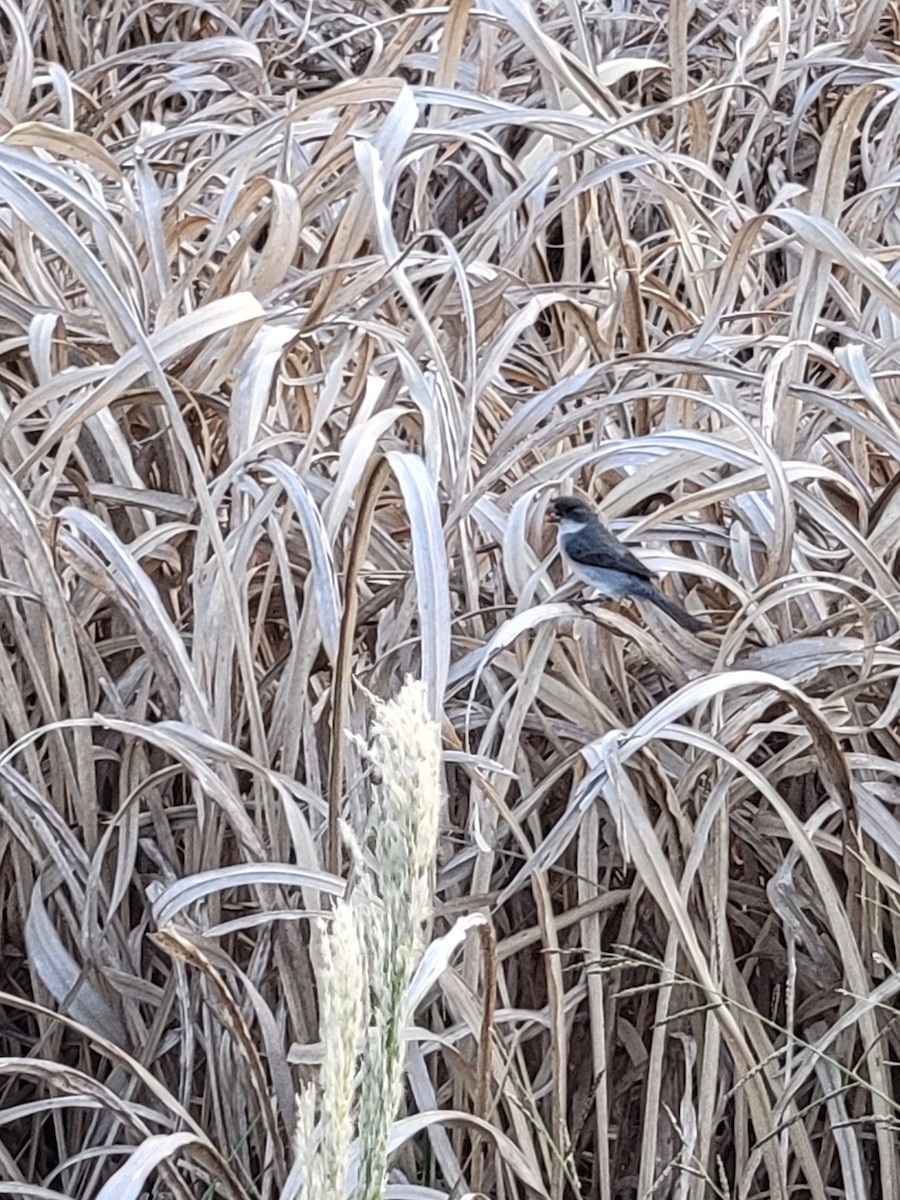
(685, 619)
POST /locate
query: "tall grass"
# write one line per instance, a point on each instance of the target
(305, 311)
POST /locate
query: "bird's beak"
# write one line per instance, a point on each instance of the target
(552, 518)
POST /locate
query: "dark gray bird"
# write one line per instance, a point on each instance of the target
(597, 557)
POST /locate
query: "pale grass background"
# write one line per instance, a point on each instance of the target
(305, 310)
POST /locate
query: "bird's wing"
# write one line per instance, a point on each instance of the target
(597, 547)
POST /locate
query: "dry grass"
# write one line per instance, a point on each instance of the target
(305, 310)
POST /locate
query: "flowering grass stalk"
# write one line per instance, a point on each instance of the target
(369, 955)
(404, 751)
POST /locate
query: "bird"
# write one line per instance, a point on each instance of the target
(597, 557)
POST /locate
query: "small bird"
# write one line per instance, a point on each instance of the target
(597, 557)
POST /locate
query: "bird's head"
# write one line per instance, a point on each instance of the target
(570, 511)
